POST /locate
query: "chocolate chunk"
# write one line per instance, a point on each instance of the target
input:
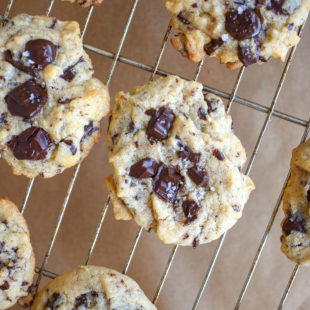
(87, 300)
(236, 208)
(159, 124)
(198, 175)
(2, 117)
(218, 154)
(52, 26)
(213, 45)
(167, 182)
(187, 153)
(5, 286)
(27, 99)
(24, 283)
(73, 148)
(195, 243)
(210, 102)
(70, 72)
(248, 56)
(294, 222)
(131, 127)
(183, 20)
(283, 7)
(308, 195)
(40, 53)
(190, 209)
(18, 64)
(31, 144)
(53, 302)
(242, 26)
(145, 168)
(201, 114)
(89, 130)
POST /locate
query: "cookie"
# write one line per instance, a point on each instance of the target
(237, 33)
(16, 255)
(176, 162)
(51, 105)
(91, 287)
(86, 3)
(295, 239)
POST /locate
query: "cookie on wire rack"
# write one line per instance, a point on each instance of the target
(237, 33)
(176, 162)
(85, 3)
(295, 237)
(16, 255)
(51, 105)
(91, 287)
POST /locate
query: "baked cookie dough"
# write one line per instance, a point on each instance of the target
(86, 3)
(176, 162)
(16, 255)
(51, 106)
(295, 237)
(239, 32)
(90, 287)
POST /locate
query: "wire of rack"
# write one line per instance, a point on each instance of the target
(232, 98)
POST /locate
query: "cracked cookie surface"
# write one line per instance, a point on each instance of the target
(91, 287)
(51, 106)
(295, 237)
(239, 32)
(176, 162)
(16, 255)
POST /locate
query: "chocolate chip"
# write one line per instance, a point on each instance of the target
(201, 114)
(187, 153)
(27, 99)
(195, 243)
(159, 124)
(167, 182)
(183, 20)
(63, 100)
(18, 64)
(198, 175)
(52, 26)
(145, 168)
(73, 148)
(308, 195)
(24, 283)
(247, 55)
(86, 300)
(210, 103)
(236, 208)
(70, 72)
(40, 53)
(89, 130)
(283, 7)
(294, 222)
(31, 144)
(2, 117)
(242, 26)
(213, 45)
(190, 209)
(5, 286)
(218, 154)
(53, 302)
(131, 127)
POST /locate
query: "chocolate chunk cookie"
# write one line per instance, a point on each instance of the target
(16, 256)
(176, 162)
(51, 106)
(296, 203)
(85, 3)
(90, 287)
(237, 33)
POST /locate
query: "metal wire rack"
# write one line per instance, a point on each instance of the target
(232, 98)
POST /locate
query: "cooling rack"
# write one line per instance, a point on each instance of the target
(232, 98)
